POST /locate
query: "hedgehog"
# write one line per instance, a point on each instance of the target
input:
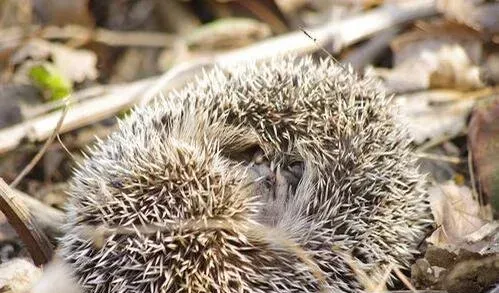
(283, 176)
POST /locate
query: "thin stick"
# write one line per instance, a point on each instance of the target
(360, 57)
(476, 194)
(42, 151)
(82, 114)
(437, 141)
(65, 148)
(443, 158)
(82, 34)
(26, 227)
(93, 110)
(404, 280)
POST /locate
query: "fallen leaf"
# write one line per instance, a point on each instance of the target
(49, 78)
(76, 65)
(455, 271)
(445, 67)
(433, 35)
(456, 214)
(483, 141)
(433, 114)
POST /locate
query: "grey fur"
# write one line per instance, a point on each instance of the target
(174, 162)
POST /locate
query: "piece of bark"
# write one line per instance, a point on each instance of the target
(25, 225)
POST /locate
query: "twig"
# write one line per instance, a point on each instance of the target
(404, 280)
(40, 153)
(365, 54)
(471, 169)
(173, 78)
(65, 148)
(84, 113)
(437, 141)
(436, 157)
(15, 35)
(344, 32)
(26, 227)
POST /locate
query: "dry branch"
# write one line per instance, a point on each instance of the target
(341, 33)
(42, 151)
(14, 35)
(87, 112)
(25, 225)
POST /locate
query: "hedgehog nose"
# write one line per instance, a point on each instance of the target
(263, 178)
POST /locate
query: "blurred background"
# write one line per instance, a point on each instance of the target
(438, 58)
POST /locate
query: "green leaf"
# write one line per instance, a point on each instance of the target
(49, 79)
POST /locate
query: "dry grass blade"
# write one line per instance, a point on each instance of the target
(404, 279)
(26, 227)
(342, 34)
(40, 153)
(436, 157)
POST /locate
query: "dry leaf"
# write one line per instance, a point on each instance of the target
(433, 114)
(446, 67)
(456, 214)
(483, 140)
(76, 65)
(433, 35)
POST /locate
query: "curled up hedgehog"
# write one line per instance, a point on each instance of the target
(287, 176)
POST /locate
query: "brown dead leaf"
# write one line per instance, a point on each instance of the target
(447, 66)
(455, 271)
(433, 114)
(431, 36)
(483, 140)
(456, 214)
